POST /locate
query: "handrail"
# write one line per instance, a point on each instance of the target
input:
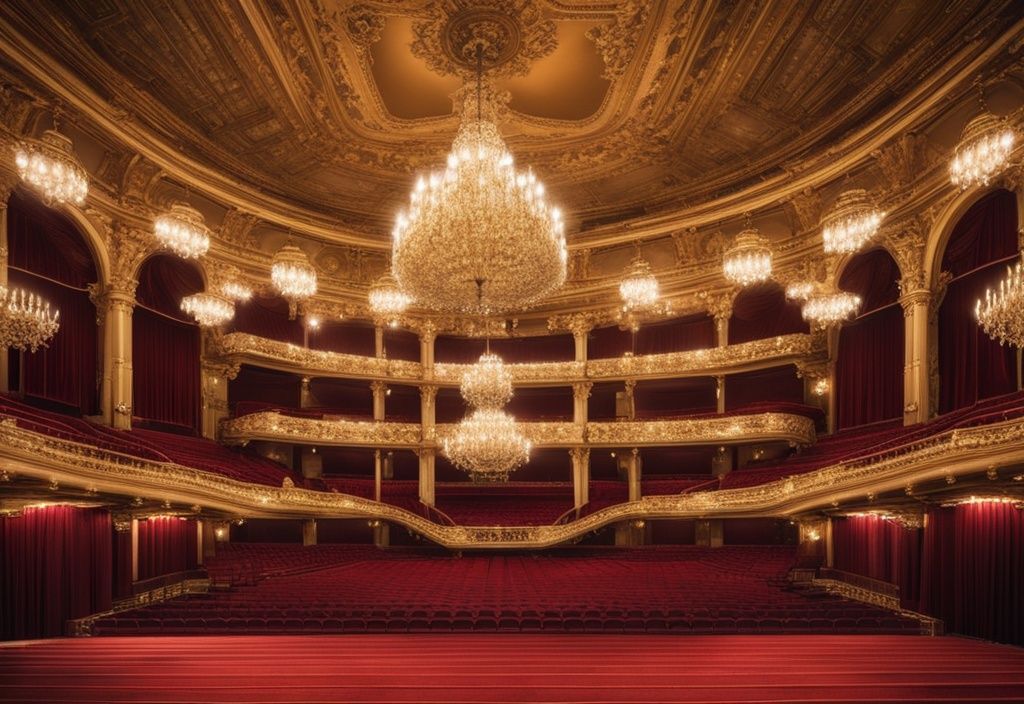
(431, 510)
(574, 512)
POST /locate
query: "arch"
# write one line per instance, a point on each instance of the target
(95, 241)
(165, 279)
(763, 311)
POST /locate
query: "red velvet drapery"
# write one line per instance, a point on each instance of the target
(121, 558)
(167, 544)
(540, 348)
(971, 365)
(880, 549)
(763, 311)
(56, 566)
(662, 397)
(693, 332)
(772, 384)
(165, 360)
(267, 317)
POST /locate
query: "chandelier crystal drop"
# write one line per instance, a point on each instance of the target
(852, 222)
(488, 383)
(49, 165)
(183, 231)
(749, 260)
(386, 299)
(487, 445)
(982, 152)
(208, 309)
(826, 309)
(293, 276)
(26, 320)
(1001, 314)
(639, 288)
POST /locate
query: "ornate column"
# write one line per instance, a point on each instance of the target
(378, 340)
(115, 308)
(915, 366)
(428, 334)
(309, 531)
(580, 457)
(380, 390)
(428, 412)
(633, 467)
(720, 308)
(580, 327)
(216, 376)
(305, 395)
(377, 475)
(625, 405)
(426, 478)
(580, 394)
(720, 394)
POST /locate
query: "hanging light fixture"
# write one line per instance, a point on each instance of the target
(639, 288)
(26, 320)
(293, 276)
(749, 260)
(236, 291)
(982, 152)
(208, 309)
(488, 383)
(49, 166)
(827, 308)
(799, 291)
(1001, 314)
(487, 445)
(183, 231)
(386, 299)
(852, 222)
(479, 219)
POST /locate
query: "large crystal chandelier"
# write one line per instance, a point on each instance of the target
(386, 299)
(639, 288)
(749, 260)
(236, 291)
(293, 276)
(208, 309)
(827, 308)
(49, 165)
(981, 153)
(183, 231)
(26, 321)
(1001, 314)
(479, 221)
(488, 383)
(852, 222)
(488, 445)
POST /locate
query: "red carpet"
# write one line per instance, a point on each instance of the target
(482, 668)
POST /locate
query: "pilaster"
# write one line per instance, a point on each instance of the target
(380, 390)
(580, 457)
(915, 366)
(428, 411)
(580, 395)
(426, 475)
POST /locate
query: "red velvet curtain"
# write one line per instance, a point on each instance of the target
(56, 565)
(694, 332)
(971, 365)
(779, 384)
(457, 349)
(166, 545)
(608, 343)
(121, 559)
(652, 399)
(268, 317)
(973, 570)
(880, 549)
(165, 361)
(542, 348)
(763, 311)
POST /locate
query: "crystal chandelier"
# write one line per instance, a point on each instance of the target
(749, 260)
(479, 221)
(386, 299)
(293, 276)
(488, 445)
(236, 291)
(981, 153)
(26, 320)
(799, 291)
(488, 383)
(49, 165)
(208, 309)
(830, 308)
(183, 231)
(639, 286)
(1001, 315)
(852, 222)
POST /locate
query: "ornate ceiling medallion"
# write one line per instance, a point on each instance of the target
(183, 231)
(49, 166)
(293, 276)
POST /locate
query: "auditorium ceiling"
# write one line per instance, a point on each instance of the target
(624, 108)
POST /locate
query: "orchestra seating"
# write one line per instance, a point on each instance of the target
(670, 590)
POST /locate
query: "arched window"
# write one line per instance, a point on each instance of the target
(49, 256)
(763, 311)
(869, 366)
(165, 346)
(971, 365)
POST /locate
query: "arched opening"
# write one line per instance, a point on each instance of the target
(49, 256)
(869, 364)
(972, 366)
(762, 311)
(165, 347)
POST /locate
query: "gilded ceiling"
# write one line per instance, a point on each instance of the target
(624, 108)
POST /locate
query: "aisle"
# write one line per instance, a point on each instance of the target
(510, 668)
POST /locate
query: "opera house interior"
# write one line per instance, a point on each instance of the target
(511, 350)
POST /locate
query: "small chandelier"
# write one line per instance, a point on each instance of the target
(982, 152)
(183, 231)
(830, 308)
(49, 165)
(26, 320)
(208, 309)
(639, 288)
(386, 299)
(293, 276)
(799, 291)
(1001, 315)
(487, 445)
(749, 260)
(852, 222)
(479, 220)
(236, 291)
(488, 383)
